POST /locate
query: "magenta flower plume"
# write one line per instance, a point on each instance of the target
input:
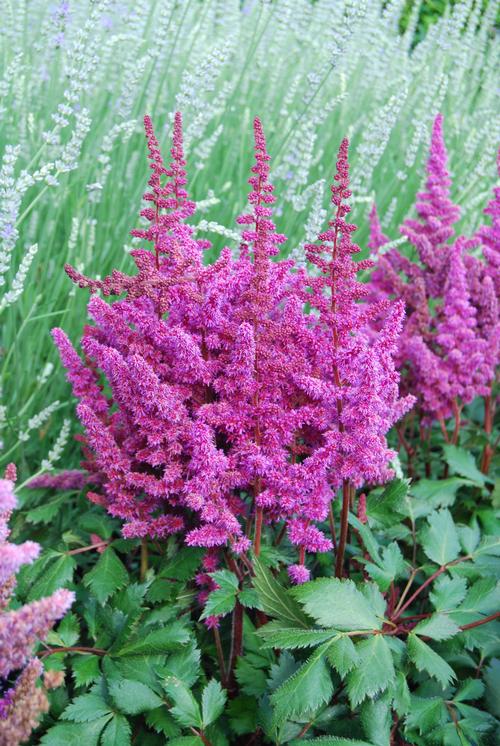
(489, 235)
(230, 407)
(21, 703)
(20, 629)
(377, 236)
(437, 213)
(449, 356)
(177, 257)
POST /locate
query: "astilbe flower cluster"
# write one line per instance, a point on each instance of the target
(449, 345)
(213, 401)
(21, 700)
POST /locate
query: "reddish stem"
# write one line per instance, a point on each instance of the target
(259, 515)
(236, 644)
(72, 649)
(98, 545)
(479, 622)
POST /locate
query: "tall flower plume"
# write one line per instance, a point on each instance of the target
(21, 702)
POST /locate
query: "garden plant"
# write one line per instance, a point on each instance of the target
(249, 444)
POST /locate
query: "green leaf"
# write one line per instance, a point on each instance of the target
(186, 709)
(56, 574)
(426, 714)
(392, 500)
(369, 541)
(376, 719)
(276, 635)
(390, 566)
(438, 627)
(133, 697)
(220, 602)
(117, 732)
(492, 681)
(107, 576)
(158, 641)
(85, 669)
(448, 592)
(306, 690)
(249, 598)
(68, 630)
(275, 600)
(47, 511)
(251, 679)
(86, 708)
(184, 665)
(469, 536)
(162, 722)
(401, 694)
(225, 579)
(342, 655)
(462, 462)
(426, 659)
(75, 734)
(470, 689)
(213, 700)
(337, 603)
(374, 672)
(183, 565)
(440, 539)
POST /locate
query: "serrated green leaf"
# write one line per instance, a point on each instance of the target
(390, 566)
(186, 709)
(161, 721)
(374, 671)
(242, 714)
(368, 539)
(462, 462)
(183, 565)
(85, 708)
(470, 689)
(392, 500)
(448, 592)
(220, 602)
(117, 732)
(75, 734)
(376, 718)
(342, 655)
(400, 692)
(469, 536)
(306, 690)
(426, 714)
(47, 511)
(426, 659)
(251, 678)
(440, 538)
(133, 697)
(85, 669)
(213, 701)
(337, 603)
(276, 635)
(225, 579)
(157, 641)
(56, 574)
(437, 627)
(250, 599)
(107, 576)
(68, 630)
(184, 665)
(492, 681)
(275, 600)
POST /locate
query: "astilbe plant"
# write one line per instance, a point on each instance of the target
(230, 404)
(21, 700)
(449, 345)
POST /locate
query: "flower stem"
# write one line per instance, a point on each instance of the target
(344, 526)
(144, 558)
